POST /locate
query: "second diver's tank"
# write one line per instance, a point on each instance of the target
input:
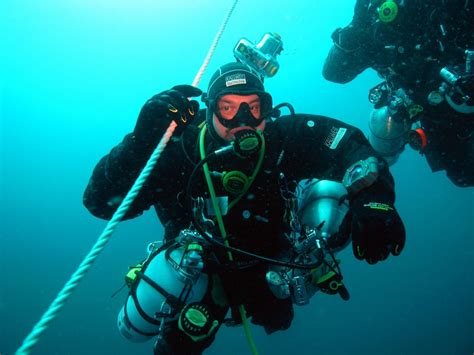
(388, 133)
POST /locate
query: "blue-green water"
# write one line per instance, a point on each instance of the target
(74, 75)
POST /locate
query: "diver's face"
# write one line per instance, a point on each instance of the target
(228, 108)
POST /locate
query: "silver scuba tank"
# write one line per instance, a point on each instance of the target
(321, 206)
(388, 133)
(320, 201)
(145, 309)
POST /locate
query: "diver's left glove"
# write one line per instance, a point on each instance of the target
(376, 227)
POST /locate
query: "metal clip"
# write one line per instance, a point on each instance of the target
(198, 211)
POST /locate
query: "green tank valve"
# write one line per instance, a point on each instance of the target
(195, 246)
(388, 11)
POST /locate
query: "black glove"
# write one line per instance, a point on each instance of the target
(375, 225)
(161, 109)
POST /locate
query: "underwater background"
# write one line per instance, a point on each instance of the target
(74, 75)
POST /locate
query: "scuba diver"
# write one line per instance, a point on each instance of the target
(228, 189)
(424, 51)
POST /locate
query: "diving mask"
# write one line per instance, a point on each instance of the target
(251, 114)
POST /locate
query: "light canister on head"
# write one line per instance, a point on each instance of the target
(261, 56)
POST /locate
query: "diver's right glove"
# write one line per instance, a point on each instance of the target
(161, 109)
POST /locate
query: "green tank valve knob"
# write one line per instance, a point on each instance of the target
(388, 11)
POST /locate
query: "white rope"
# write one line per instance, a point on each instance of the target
(32, 339)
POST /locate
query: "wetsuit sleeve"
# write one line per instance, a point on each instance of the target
(324, 148)
(352, 50)
(116, 172)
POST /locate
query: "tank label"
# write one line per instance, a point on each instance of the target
(335, 136)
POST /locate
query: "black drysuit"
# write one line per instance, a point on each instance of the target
(313, 147)
(409, 53)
